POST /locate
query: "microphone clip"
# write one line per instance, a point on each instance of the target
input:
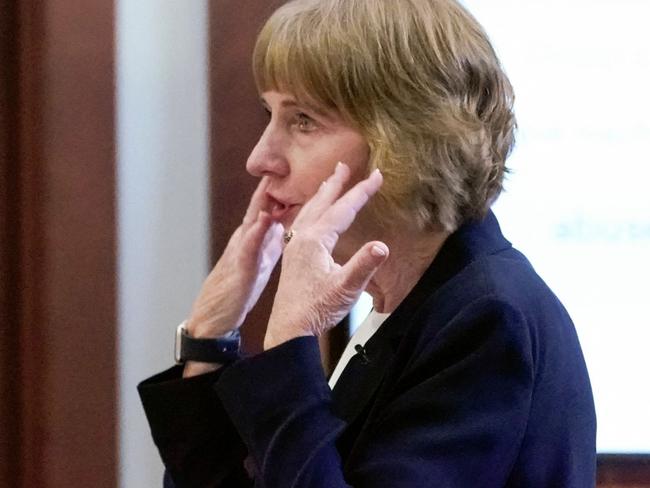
(362, 353)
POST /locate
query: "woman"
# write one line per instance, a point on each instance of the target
(389, 125)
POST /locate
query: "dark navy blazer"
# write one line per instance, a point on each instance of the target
(476, 380)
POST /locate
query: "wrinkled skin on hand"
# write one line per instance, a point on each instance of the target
(314, 292)
(235, 283)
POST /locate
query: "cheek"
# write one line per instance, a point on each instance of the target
(313, 165)
(359, 162)
(356, 157)
(312, 180)
(311, 170)
(354, 151)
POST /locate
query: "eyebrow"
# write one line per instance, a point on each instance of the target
(291, 103)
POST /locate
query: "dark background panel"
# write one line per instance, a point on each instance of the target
(623, 470)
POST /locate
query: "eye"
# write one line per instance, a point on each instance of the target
(267, 112)
(304, 122)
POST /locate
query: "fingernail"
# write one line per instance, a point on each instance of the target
(378, 252)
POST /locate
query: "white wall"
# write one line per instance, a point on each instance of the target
(163, 204)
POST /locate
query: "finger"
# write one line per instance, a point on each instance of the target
(326, 195)
(259, 202)
(262, 234)
(361, 267)
(339, 216)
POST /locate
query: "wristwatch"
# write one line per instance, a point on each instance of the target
(218, 350)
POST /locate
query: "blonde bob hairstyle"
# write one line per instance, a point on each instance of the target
(419, 79)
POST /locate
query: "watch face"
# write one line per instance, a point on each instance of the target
(180, 332)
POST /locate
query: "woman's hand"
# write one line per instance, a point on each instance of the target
(314, 292)
(235, 283)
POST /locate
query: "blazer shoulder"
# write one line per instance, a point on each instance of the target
(509, 278)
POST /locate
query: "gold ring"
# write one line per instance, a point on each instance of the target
(287, 236)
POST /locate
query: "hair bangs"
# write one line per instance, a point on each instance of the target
(285, 60)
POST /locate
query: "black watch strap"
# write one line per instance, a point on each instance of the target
(219, 350)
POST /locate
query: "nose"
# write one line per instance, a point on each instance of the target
(268, 157)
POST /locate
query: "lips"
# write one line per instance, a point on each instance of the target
(280, 209)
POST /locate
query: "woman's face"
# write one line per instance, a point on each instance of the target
(299, 150)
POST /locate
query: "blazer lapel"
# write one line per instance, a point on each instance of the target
(363, 374)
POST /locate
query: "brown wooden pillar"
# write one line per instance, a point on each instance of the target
(9, 392)
(57, 217)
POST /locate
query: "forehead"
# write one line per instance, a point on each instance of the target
(288, 100)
